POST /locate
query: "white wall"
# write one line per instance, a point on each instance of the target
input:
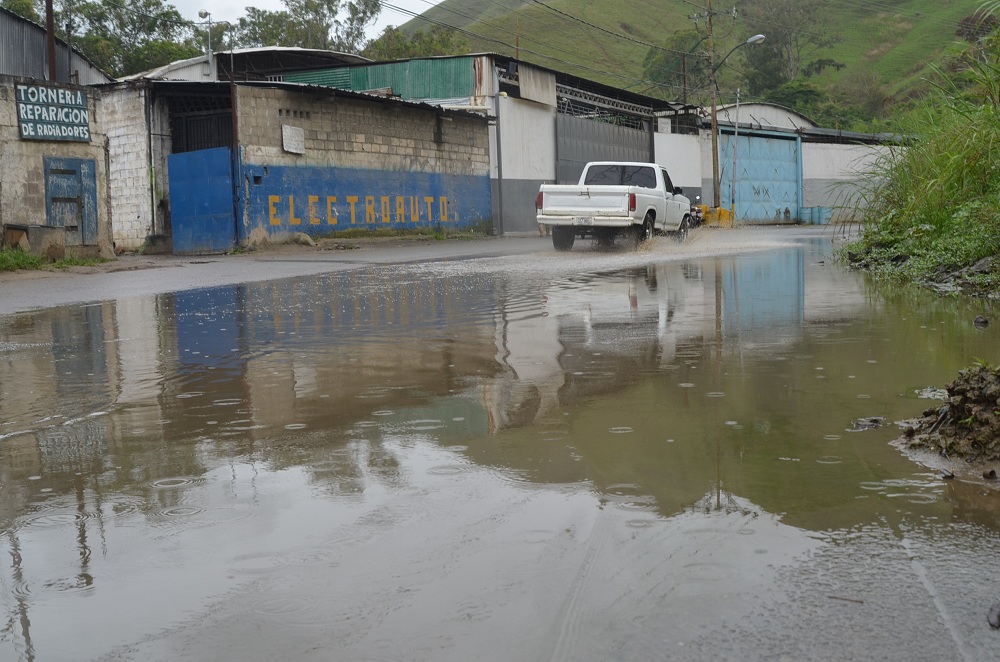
(837, 162)
(832, 175)
(528, 132)
(681, 155)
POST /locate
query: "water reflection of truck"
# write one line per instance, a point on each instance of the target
(638, 313)
(594, 332)
(614, 198)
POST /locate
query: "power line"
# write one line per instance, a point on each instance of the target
(606, 31)
(529, 51)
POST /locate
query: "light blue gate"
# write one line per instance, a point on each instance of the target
(71, 198)
(202, 213)
(768, 182)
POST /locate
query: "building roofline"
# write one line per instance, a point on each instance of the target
(655, 104)
(223, 87)
(159, 72)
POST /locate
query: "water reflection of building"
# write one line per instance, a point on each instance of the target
(594, 334)
(578, 382)
(244, 361)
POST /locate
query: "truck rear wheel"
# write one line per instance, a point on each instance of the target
(647, 229)
(563, 238)
(682, 231)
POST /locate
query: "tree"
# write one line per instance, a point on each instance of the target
(764, 67)
(337, 25)
(261, 27)
(865, 90)
(798, 95)
(680, 65)
(126, 39)
(795, 32)
(25, 8)
(392, 44)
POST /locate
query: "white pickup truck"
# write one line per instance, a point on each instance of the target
(614, 198)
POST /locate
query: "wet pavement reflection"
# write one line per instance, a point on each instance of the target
(493, 459)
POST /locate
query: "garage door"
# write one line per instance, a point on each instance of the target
(580, 140)
(768, 183)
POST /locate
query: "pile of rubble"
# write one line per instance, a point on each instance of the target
(967, 425)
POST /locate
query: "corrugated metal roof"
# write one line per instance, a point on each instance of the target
(339, 78)
(23, 53)
(266, 60)
(189, 87)
(433, 78)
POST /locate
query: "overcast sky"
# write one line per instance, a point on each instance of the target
(224, 10)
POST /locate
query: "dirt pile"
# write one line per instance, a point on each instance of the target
(967, 425)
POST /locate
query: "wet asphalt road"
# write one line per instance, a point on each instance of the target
(530, 456)
(138, 275)
(146, 275)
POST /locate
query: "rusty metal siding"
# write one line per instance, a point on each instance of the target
(484, 77)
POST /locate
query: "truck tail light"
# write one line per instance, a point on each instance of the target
(538, 201)
(631, 201)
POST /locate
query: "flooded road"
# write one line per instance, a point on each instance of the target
(658, 455)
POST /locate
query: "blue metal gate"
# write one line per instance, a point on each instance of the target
(768, 182)
(202, 213)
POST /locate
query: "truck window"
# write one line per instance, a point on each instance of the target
(666, 181)
(642, 176)
(618, 175)
(603, 175)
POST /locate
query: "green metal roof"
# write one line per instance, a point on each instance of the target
(444, 78)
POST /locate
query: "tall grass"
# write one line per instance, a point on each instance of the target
(932, 206)
(14, 259)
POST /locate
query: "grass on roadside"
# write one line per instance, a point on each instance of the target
(932, 207)
(14, 259)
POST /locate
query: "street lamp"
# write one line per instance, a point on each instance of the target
(203, 14)
(716, 194)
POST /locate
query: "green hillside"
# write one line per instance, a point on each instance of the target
(897, 41)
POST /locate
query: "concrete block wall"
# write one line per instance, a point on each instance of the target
(357, 133)
(22, 167)
(22, 174)
(124, 121)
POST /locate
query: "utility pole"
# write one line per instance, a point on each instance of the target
(715, 113)
(50, 39)
(736, 148)
(684, 79)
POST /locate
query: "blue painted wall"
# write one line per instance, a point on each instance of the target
(319, 200)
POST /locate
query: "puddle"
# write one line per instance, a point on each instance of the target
(552, 450)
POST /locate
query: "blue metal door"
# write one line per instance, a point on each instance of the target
(201, 202)
(768, 183)
(71, 198)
